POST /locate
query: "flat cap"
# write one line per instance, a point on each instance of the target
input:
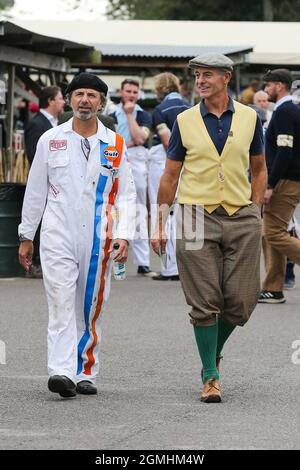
(278, 75)
(87, 80)
(211, 60)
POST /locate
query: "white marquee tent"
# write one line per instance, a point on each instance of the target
(273, 43)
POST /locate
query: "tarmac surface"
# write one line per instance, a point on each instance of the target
(149, 386)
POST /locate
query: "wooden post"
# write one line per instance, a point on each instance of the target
(237, 72)
(189, 79)
(52, 78)
(10, 121)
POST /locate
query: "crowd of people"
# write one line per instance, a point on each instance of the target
(94, 177)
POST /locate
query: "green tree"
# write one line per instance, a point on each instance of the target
(4, 4)
(205, 10)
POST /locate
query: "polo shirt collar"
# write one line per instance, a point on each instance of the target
(102, 133)
(204, 111)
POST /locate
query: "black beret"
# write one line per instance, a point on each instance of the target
(278, 75)
(87, 80)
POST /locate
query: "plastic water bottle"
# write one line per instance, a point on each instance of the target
(119, 268)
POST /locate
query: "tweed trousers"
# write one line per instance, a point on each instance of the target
(277, 216)
(222, 277)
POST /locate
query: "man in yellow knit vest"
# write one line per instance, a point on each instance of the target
(214, 144)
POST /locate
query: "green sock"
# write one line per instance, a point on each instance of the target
(206, 338)
(224, 331)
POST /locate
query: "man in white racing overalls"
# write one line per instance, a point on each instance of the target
(81, 174)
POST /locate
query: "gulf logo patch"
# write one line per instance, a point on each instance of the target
(111, 153)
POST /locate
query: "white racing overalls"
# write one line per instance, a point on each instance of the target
(138, 158)
(87, 204)
(157, 163)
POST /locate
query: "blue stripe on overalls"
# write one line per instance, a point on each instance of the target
(91, 279)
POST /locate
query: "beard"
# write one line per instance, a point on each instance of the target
(85, 116)
(273, 97)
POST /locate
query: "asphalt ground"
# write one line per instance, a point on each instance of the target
(149, 386)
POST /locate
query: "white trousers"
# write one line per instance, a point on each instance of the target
(77, 287)
(138, 159)
(157, 163)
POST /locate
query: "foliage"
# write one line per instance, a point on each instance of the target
(204, 10)
(4, 4)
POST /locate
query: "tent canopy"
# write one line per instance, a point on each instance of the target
(272, 42)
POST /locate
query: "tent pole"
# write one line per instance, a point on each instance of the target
(10, 120)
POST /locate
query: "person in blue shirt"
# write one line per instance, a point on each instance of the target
(164, 116)
(134, 124)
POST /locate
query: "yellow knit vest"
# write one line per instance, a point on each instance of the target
(211, 179)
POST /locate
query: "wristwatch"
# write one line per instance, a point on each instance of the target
(22, 238)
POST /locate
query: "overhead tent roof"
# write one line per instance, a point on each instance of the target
(272, 42)
(23, 47)
(154, 50)
(137, 57)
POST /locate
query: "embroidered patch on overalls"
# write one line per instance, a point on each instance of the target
(58, 145)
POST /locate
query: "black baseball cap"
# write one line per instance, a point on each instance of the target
(87, 80)
(278, 75)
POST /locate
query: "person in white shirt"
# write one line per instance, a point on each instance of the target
(134, 124)
(80, 173)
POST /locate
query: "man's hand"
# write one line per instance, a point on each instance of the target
(129, 107)
(25, 254)
(121, 254)
(268, 195)
(159, 241)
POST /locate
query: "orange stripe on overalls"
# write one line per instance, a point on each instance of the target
(111, 199)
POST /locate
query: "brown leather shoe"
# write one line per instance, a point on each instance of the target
(218, 360)
(211, 392)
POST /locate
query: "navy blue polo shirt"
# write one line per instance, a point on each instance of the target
(218, 129)
(166, 113)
